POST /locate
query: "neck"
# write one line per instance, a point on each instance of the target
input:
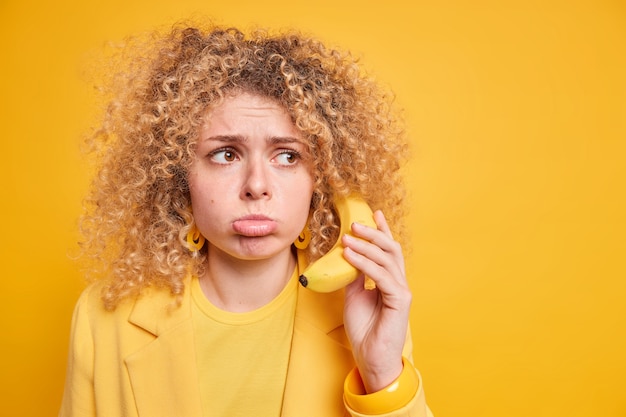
(239, 286)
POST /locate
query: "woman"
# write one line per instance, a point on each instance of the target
(217, 151)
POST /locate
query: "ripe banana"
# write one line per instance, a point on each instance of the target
(332, 272)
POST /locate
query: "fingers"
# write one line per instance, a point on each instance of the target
(370, 258)
(375, 253)
(382, 248)
(381, 222)
(373, 235)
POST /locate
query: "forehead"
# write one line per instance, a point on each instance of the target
(247, 104)
(248, 112)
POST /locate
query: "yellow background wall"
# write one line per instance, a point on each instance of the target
(518, 115)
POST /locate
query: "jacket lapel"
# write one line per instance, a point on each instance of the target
(320, 357)
(163, 373)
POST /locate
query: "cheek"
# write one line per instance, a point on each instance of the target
(201, 195)
(304, 202)
(203, 202)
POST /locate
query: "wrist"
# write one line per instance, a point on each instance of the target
(392, 397)
(374, 379)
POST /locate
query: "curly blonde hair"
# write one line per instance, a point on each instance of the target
(138, 211)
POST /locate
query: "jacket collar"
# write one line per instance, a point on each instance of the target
(163, 373)
(320, 356)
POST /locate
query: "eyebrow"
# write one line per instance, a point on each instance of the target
(273, 140)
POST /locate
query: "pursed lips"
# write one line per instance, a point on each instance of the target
(254, 225)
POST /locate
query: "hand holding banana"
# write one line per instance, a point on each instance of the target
(366, 257)
(376, 321)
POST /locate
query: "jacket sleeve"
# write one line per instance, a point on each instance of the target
(78, 395)
(402, 398)
(391, 402)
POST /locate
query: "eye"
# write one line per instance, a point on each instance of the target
(223, 156)
(287, 157)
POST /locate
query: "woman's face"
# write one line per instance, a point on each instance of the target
(250, 182)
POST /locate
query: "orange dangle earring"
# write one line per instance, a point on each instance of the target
(195, 240)
(303, 240)
(301, 243)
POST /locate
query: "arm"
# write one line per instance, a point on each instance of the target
(78, 398)
(376, 323)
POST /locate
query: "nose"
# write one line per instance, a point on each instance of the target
(256, 184)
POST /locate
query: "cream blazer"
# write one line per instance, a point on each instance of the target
(139, 360)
